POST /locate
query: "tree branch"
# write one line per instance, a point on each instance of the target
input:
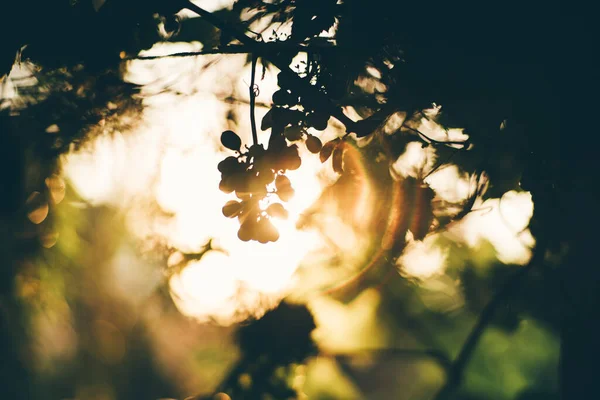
(462, 143)
(253, 101)
(262, 49)
(268, 48)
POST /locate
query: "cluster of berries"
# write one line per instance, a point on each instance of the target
(250, 174)
(255, 173)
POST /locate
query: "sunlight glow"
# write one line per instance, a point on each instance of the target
(163, 176)
(170, 160)
(415, 160)
(502, 223)
(422, 259)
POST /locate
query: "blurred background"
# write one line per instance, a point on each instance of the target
(122, 279)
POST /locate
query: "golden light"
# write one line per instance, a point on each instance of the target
(170, 160)
(503, 223)
(163, 175)
(423, 259)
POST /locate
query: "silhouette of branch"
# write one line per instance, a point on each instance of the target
(268, 47)
(458, 366)
(253, 101)
(272, 51)
(234, 100)
(463, 143)
(262, 49)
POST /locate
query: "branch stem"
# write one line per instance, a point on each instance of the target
(253, 101)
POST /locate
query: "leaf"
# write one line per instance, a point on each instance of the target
(367, 126)
(301, 28)
(283, 117)
(267, 120)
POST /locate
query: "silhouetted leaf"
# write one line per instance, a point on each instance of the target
(267, 120)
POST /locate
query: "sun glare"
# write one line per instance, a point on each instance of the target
(171, 160)
(163, 175)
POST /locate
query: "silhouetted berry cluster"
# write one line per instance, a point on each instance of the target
(254, 174)
(291, 117)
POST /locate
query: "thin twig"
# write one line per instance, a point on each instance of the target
(233, 100)
(253, 102)
(463, 143)
(268, 47)
(445, 162)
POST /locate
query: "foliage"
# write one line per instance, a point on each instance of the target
(392, 68)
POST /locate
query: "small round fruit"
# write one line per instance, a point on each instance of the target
(293, 133)
(232, 208)
(229, 165)
(226, 185)
(318, 121)
(282, 182)
(313, 144)
(247, 230)
(231, 140)
(277, 210)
